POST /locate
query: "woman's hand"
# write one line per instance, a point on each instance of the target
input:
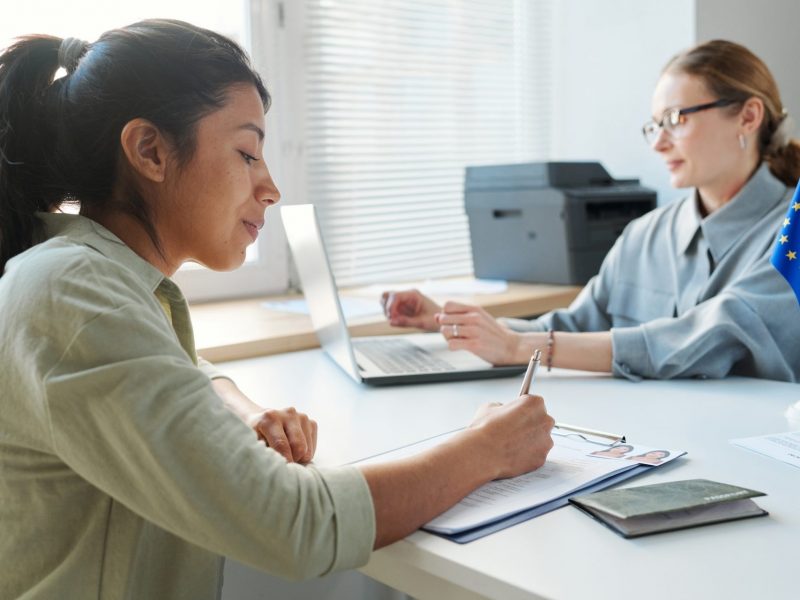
(410, 308)
(517, 434)
(290, 433)
(467, 327)
(502, 441)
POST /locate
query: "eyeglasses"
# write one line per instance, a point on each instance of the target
(673, 118)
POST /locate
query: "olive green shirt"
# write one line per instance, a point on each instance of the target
(122, 474)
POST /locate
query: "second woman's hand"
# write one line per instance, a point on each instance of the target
(468, 327)
(410, 308)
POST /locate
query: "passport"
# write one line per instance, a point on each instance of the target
(660, 507)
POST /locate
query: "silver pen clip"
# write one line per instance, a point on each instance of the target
(582, 432)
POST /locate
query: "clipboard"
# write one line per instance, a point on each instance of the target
(470, 535)
(578, 464)
(602, 440)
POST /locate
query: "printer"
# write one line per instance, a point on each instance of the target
(548, 222)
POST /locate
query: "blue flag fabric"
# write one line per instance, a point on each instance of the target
(786, 256)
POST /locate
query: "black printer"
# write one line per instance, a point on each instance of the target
(548, 222)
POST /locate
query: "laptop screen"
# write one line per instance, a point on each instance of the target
(319, 287)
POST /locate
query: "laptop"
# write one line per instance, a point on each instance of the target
(375, 360)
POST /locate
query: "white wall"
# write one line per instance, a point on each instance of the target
(768, 28)
(609, 55)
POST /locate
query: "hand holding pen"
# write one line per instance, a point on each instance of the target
(518, 434)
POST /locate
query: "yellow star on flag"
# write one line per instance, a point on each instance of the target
(796, 206)
(791, 255)
(786, 221)
(784, 239)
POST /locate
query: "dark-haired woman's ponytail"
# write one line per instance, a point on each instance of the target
(784, 162)
(26, 135)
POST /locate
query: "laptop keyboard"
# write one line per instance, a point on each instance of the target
(401, 356)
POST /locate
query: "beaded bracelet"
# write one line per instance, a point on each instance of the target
(551, 342)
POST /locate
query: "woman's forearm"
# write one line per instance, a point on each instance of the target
(410, 492)
(583, 351)
(503, 441)
(235, 400)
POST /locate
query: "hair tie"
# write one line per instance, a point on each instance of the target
(782, 134)
(70, 53)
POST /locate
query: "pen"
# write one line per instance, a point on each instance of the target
(616, 437)
(530, 375)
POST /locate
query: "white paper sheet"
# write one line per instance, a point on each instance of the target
(567, 469)
(780, 446)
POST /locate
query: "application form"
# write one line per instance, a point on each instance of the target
(573, 464)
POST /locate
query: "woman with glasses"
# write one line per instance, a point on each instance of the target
(688, 289)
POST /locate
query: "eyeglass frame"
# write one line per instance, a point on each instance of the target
(673, 116)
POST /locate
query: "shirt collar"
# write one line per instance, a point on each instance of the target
(723, 227)
(688, 222)
(94, 235)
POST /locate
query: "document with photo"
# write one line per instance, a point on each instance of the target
(637, 453)
(571, 466)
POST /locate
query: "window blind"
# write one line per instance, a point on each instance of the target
(401, 96)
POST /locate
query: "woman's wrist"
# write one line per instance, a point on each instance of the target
(526, 344)
(474, 442)
(432, 308)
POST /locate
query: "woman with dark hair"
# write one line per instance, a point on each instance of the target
(129, 465)
(651, 457)
(688, 289)
(616, 451)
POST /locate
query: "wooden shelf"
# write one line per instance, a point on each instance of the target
(246, 328)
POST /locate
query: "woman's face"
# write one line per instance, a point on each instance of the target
(655, 454)
(704, 151)
(619, 450)
(217, 201)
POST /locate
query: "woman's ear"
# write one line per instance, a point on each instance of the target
(145, 148)
(752, 115)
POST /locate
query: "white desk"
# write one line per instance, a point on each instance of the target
(565, 554)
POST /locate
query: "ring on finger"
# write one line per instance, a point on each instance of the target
(455, 330)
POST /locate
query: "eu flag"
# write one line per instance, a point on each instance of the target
(786, 256)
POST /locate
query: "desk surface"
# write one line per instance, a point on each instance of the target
(564, 554)
(244, 328)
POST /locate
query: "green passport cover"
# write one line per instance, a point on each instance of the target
(663, 497)
(647, 509)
